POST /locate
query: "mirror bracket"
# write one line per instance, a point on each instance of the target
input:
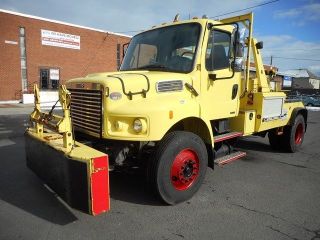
(212, 76)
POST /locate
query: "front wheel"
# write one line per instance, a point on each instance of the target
(178, 168)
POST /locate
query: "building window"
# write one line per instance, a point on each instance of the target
(23, 59)
(118, 56)
(49, 78)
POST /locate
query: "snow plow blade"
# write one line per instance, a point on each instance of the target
(78, 173)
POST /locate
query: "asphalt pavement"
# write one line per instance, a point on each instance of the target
(266, 195)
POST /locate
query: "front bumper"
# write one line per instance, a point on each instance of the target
(80, 177)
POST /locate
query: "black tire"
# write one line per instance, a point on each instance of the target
(275, 140)
(293, 135)
(177, 149)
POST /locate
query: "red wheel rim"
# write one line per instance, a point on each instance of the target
(299, 134)
(184, 169)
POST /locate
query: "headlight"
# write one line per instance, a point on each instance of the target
(139, 125)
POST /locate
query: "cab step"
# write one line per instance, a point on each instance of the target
(226, 136)
(229, 158)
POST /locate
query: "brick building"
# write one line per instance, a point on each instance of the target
(48, 52)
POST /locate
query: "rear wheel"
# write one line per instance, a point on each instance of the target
(294, 135)
(179, 166)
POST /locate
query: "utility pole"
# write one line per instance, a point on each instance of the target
(271, 60)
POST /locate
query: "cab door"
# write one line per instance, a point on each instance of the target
(220, 85)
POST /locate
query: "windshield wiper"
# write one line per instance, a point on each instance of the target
(153, 67)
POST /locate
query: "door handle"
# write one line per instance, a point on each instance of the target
(234, 91)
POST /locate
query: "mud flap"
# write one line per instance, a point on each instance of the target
(80, 178)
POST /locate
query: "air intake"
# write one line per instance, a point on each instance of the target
(169, 86)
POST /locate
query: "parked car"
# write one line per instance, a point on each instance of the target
(293, 98)
(311, 101)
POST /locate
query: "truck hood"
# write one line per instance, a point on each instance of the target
(128, 82)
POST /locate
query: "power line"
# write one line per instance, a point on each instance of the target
(295, 49)
(259, 5)
(302, 59)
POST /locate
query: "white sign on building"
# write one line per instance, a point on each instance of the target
(58, 39)
(54, 74)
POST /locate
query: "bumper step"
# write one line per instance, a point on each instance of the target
(226, 136)
(229, 158)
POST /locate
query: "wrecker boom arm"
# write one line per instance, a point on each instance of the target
(60, 124)
(247, 21)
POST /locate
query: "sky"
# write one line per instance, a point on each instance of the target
(288, 28)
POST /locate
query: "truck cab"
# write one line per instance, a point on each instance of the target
(187, 66)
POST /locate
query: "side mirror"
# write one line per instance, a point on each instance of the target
(238, 52)
(212, 76)
(237, 64)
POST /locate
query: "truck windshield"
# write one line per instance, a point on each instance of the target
(171, 48)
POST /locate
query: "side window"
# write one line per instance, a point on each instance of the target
(218, 50)
(144, 54)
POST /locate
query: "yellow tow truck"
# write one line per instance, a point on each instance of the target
(180, 99)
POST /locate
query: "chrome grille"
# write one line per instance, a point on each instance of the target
(168, 86)
(86, 110)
